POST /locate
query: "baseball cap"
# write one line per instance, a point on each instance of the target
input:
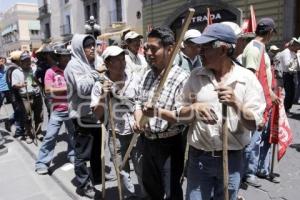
(99, 42)
(112, 51)
(296, 40)
(15, 55)
(25, 55)
(132, 35)
(216, 31)
(266, 24)
(192, 33)
(274, 48)
(235, 27)
(62, 51)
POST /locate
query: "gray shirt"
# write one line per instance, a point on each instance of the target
(19, 76)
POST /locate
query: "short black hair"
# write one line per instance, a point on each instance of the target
(89, 40)
(165, 34)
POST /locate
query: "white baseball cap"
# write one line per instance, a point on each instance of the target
(235, 27)
(132, 35)
(112, 51)
(274, 48)
(192, 33)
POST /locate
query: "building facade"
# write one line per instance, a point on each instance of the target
(20, 29)
(61, 19)
(171, 13)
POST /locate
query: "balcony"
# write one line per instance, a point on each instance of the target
(44, 11)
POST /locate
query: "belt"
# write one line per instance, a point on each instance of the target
(215, 154)
(162, 135)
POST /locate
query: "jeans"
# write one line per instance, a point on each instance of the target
(87, 148)
(162, 167)
(122, 144)
(265, 151)
(205, 175)
(47, 148)
(22, 116)
(251, 154)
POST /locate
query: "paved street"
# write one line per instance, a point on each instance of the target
(19, 181)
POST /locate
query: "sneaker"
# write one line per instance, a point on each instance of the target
(42, 171)
(261, 175)
(253, 181)
(29, 140)
(274, 178)
(88, 190)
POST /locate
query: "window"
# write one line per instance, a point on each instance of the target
(119, 10)
(68, 24)
(95, 11)
(47, 31)
(87, 12)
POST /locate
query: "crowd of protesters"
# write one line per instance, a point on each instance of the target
(99, 89)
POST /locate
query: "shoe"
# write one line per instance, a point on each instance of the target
(110, 177)
(88, 190)
(42, 171)
(261, 175)
(7, 125)
(274, 178)
(29, 140)
(125, 178)
(253, 181)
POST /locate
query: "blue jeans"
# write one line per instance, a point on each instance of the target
(265, 151)
(205, 175)
(251, 154)
(47, 149)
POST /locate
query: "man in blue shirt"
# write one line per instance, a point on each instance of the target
(3, 85)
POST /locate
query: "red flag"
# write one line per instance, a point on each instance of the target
(280, 131)
(262, 77)
(209, 19)
(249, 25)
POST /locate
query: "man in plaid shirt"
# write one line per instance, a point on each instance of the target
(163, 147)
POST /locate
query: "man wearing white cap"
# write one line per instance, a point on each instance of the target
(135, 62)
(188, 58)
(22, 82)
(290, 65)
(122, 86)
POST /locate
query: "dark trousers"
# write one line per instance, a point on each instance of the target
(162, 167)
(289, 87)
(87, 148)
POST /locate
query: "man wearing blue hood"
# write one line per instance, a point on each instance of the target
(80, 75)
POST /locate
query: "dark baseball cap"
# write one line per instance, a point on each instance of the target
(216, 31)
(25, 55)
(266, 24)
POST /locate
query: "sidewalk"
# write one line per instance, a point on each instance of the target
(18, 179)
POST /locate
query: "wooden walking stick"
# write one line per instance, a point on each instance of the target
(272, 175)
(103, 159)
(112, 125)
(31, 117)
(144, 120)
(225, 151)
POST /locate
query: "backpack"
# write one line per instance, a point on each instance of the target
(14, 94)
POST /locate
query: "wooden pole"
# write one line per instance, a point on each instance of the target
(31, 117)
(225, 151)
(103, 159)
(273, 160)
(130, 147)
(112, 125)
